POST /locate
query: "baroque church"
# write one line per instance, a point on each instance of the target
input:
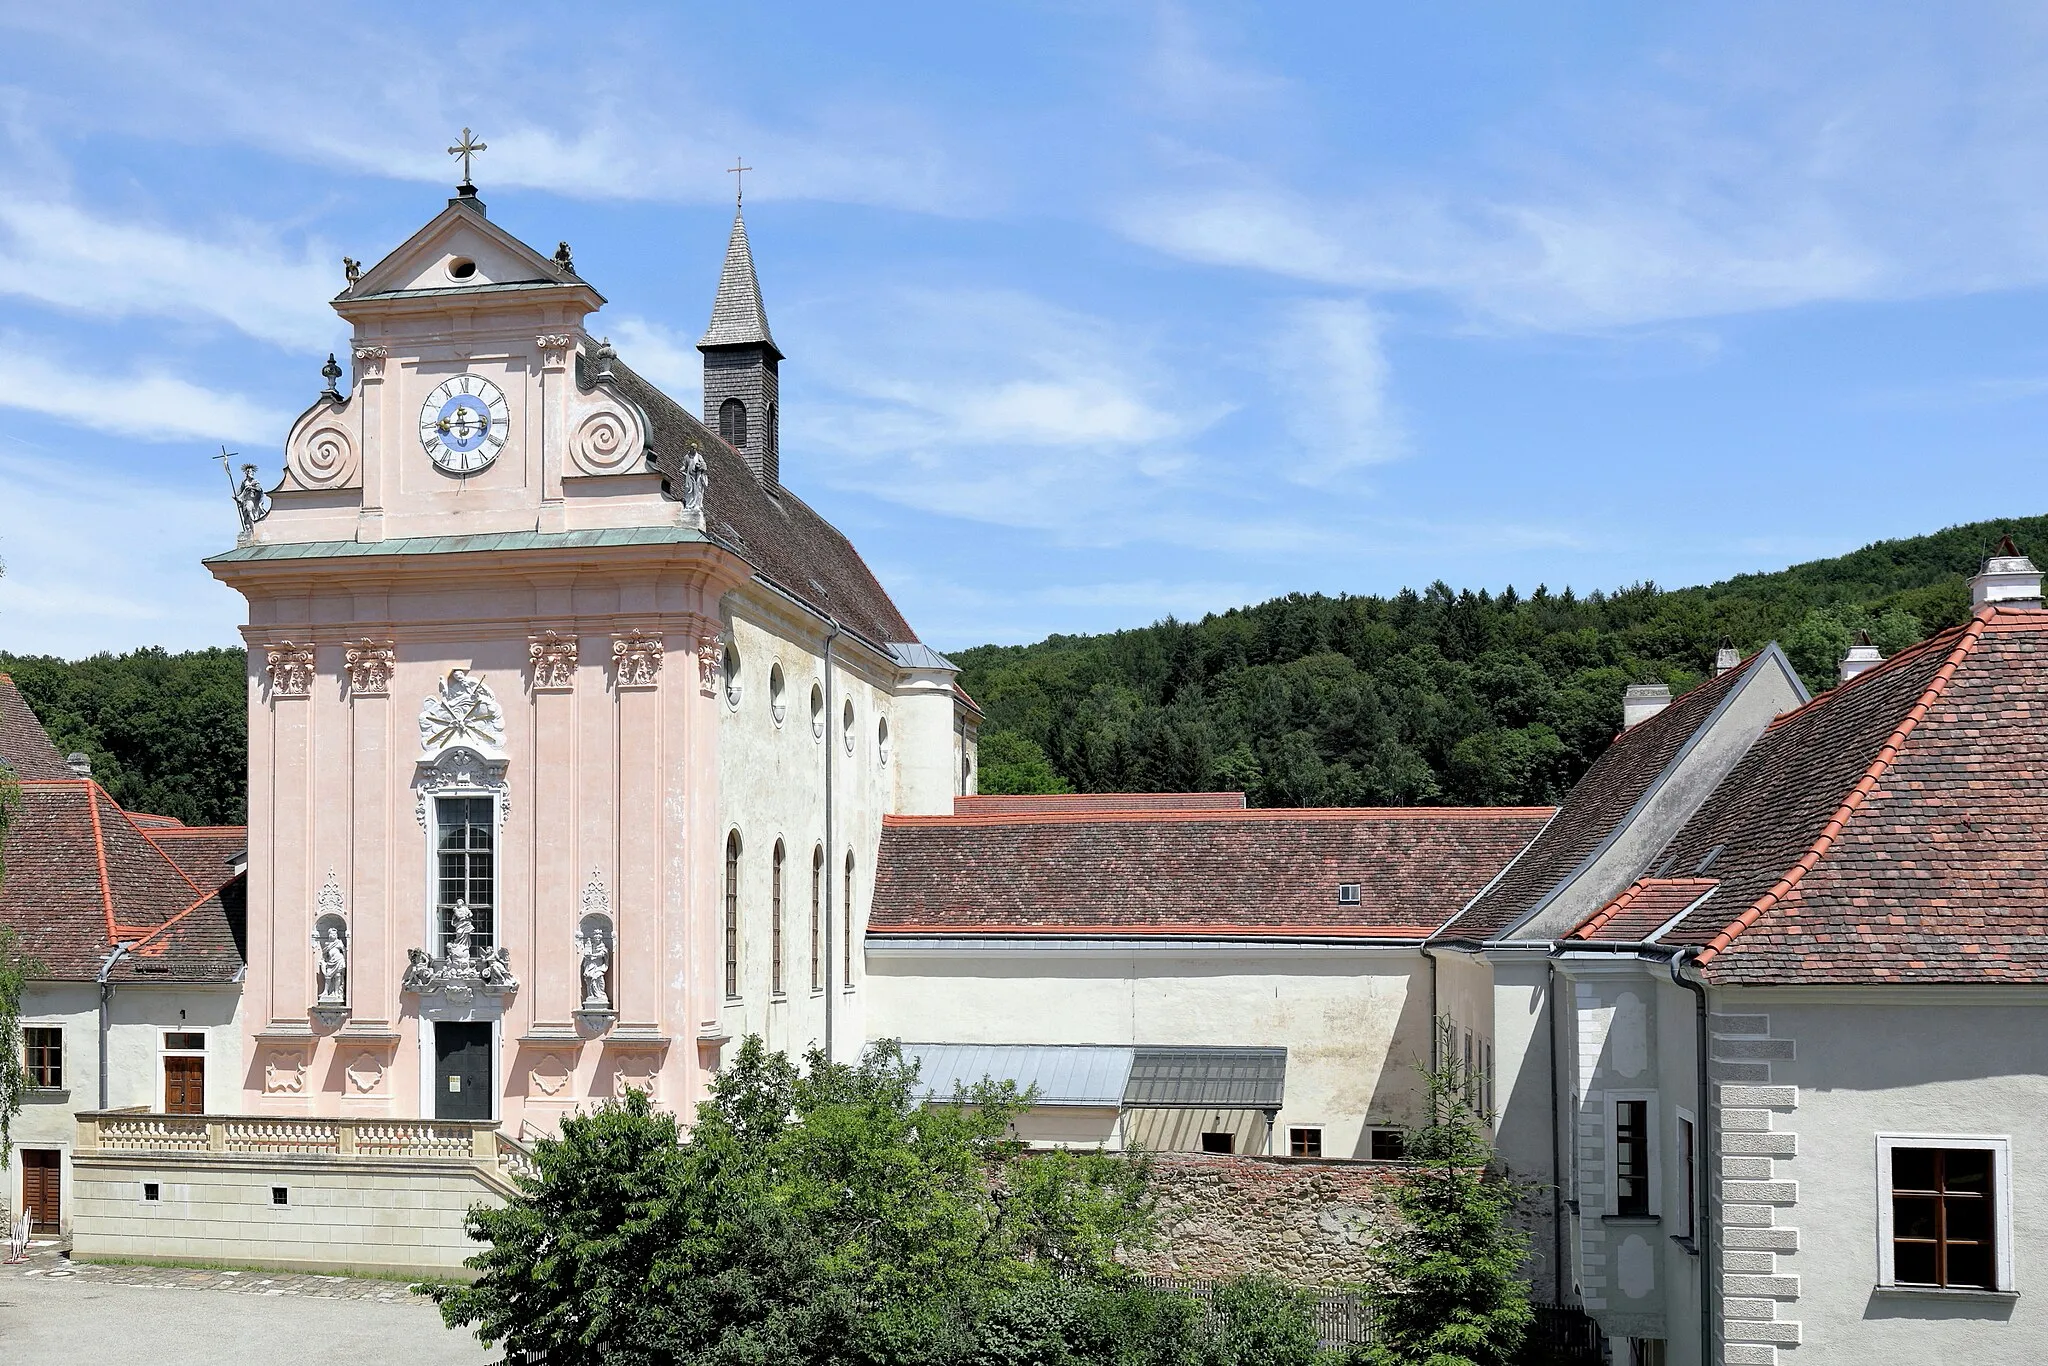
(571, 727)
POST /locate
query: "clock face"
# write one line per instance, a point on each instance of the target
(464, 422)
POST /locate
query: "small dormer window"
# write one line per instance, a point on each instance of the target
(1347, 894)
(461, 268)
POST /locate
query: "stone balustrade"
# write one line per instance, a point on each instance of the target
(473, 1142)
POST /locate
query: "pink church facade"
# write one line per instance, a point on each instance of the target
(495, 609)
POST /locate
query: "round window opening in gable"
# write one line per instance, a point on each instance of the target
(732, 674)
(462, 268)
(846, 724)
(777, 706)
(818, 710)
(882, 740)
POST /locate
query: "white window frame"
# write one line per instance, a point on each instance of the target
(1655, 1208)
(2000, 1146)
(431, 935)
(164, 1050)
(1682, 1116)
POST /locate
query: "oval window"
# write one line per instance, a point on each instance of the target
(818, 710)
(732, 674)
(846, 724)
(461, 268)
(776, 705)
(882, 740)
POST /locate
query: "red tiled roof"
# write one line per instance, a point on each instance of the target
(203, 853)
(999, 805)
(1647, 906)
(1597, 804)
(77, 876)
(1889, 830)
(24, 745)
(1250, 874)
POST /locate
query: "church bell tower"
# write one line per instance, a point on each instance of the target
(740, 360)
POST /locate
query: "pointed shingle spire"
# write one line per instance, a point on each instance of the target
(737, 318)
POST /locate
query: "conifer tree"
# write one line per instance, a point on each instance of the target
(1450, 1288)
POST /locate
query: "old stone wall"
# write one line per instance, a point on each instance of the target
(1304, 1221)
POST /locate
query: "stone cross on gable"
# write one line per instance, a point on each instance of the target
(466, 149)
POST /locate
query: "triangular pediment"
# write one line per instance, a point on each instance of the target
(458, 234)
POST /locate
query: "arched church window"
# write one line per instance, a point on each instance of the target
(775, 925)
(817, 917)
(848, 890)
(732, 914)
(732, 423)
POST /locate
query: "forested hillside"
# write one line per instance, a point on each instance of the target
(165, 733)
(1442, 696)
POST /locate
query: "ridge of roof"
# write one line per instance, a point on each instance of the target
(1216, 814)
(1966, 638)
(1186, 929)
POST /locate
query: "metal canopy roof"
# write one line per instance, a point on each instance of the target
(1207, 1078)
(1149, 1076)
(1065, 1074)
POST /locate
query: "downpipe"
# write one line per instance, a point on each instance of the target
(106, 986)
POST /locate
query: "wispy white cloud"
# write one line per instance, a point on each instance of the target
(147, 405)
(94, 563)
(661, 353)
(66, 257)
(1328, 362)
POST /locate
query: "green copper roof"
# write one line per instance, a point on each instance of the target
(456, 545)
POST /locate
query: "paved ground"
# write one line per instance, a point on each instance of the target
(53, 1313)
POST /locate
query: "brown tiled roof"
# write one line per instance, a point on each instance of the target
(1649, 904)
(25, 746)
(787, 542)
(1889, 830)
(202, 852)
(1250, 874)
(77, 876)
(1597, 805)
(1004, 805)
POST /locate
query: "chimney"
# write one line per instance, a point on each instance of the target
(1727, 657)
(1862, 657)
(79, 764)
(1643, 701)
(2009, 579)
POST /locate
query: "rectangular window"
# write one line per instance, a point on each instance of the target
(1388, 1145)
(1632, 1157)
(1944, 1217)
(194, 1042)
(44, 1047)
(1471, 1076)
(1219, 1143)
(1347, 894)
(1688, 1175)
(1486, 1079)
(1304, 1142)
(466, 855)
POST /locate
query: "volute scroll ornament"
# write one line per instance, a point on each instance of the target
(370, 664)
(291, 669)
(710, 659)
(555, 342)
(324, 458)
(553, 656)
(369, 360)
(636, 657)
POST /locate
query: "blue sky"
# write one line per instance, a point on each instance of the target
(1094, 312)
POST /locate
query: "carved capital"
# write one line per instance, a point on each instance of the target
(710, 658)
(291, 669)
(553, 656)
(370, 361)
(369, 664)
(554, 346)
(636, 659)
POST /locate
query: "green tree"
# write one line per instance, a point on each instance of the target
(1450, 1290)
(1013, 764)
(819, 1214)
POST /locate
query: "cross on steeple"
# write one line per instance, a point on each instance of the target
(466, 149)
(739, 186)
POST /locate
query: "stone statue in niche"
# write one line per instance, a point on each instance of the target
(330, 961)
(464, 711)
(593, 946)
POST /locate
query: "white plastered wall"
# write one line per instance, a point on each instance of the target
(1354, 1020)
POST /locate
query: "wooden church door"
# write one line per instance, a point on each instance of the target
(184, 1086)
(42, 1176)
